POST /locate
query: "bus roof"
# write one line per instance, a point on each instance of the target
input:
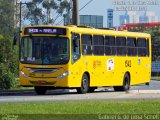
(107, 32)
(90, 30)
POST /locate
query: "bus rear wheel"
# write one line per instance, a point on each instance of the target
(40, 90)
(84, 85)
(126, 84)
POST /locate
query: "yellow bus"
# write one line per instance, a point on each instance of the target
(53, 57)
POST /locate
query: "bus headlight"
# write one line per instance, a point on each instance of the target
(23, 74)
(63, 75)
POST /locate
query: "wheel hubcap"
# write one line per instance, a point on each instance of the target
(126, 84)
(84, 83)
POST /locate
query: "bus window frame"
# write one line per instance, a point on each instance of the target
(132, 47)
(87, 45)
(139, 48)
(121, 46)
(110, 46)
(98, 45)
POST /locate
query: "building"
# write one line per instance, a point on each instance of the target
(129, 17)
(124, 19)
(152, 16)
(110, 18)
(148, 17)
(95, 21)
(134, 17)
(144, 18)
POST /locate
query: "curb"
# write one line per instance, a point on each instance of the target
(145, 91)
(23, 92)
(15, 92)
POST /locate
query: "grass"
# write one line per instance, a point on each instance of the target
(22, 88)
(79, 109)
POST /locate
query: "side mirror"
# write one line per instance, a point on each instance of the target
(14, 40)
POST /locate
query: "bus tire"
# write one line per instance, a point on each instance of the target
(40, 90)
(84, 85)
(147, 83)
(126, 84)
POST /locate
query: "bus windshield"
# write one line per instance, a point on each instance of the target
(44, 50)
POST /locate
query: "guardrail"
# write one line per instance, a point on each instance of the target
(155, 68)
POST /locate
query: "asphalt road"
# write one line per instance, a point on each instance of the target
(154, 85)
(140, 92)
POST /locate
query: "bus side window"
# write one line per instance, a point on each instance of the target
(141, 44)
(98, 45)
(86, 44)
(75, 47)
(110, 48)
(131, 47)
(121, 46)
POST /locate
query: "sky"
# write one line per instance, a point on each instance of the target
(99, 7)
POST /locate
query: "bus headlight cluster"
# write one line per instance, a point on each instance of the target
(63, 75)
(23, 74)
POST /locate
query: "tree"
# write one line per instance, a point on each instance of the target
(7, 17)
(34, 13)
(48, 5)
(8, 55)
(8, 63)
(47, 11)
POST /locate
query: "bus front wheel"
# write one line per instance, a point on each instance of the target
(84, 85)
(40, 90)
(126, 84)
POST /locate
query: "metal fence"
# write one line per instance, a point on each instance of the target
(155, 68)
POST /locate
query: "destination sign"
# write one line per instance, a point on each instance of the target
(45, 30)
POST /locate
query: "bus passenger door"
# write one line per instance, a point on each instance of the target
(76, 62)
(75, 47)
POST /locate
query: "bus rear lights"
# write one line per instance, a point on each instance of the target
(63, 75)
(23, 74)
